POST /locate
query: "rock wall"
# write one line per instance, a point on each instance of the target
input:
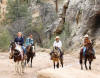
(83, 17)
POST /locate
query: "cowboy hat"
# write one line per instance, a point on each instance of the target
(86, 35)
(57, 37)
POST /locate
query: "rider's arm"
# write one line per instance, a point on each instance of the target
(15, 40)
(54, 44)
(32, 42)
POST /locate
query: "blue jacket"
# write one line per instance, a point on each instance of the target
(29, 41)
(20, 41)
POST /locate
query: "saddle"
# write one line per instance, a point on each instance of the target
(85, 53)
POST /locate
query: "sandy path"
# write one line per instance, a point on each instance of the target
(7, 67)
(72, 70)
(43, 67)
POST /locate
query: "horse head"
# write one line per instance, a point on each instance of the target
(55, 53)
(13, 45)
(29, 48)
(89, 48)
(12, 48)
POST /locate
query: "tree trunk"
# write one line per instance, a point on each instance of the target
(56, 2)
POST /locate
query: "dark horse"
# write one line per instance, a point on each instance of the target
(16, 55)
(30, 53)
(56, 57)
(89, 56)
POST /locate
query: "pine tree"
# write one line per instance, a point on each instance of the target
(16, 10)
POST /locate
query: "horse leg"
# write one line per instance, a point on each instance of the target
(81, 60)
(58, 64)
(61, 60)
(54, 64)
(90, 64)
(28, 59)
(16, 67)
(25, 63)
(22, 66)
(31, 61)
(19, 67)
(85, 63)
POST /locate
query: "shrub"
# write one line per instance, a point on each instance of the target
(4, 40)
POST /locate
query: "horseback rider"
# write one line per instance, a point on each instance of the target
(29, 41)
(58, 44)
(86, 42)
(19, 40)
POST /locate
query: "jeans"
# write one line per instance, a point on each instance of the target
(24, 49)
(84, 50)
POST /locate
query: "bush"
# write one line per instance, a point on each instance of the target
(48, 43)
(4, 40)
(16, 10)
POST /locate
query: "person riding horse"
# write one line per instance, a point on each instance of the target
(57, 54)
(58, 45)
(86, 42)
(30, 50)
(19, 40)
(29, 41)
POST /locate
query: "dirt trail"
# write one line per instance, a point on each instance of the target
(43, 68)
(72, 70)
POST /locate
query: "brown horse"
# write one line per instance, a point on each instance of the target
(16, 56)
(89, 56)
(56, 57)
(30, 53)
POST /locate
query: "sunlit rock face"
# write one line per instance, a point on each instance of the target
(83, 17)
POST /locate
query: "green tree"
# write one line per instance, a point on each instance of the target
(16, 10)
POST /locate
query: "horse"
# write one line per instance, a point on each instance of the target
(30, 53)
(89, 56)
(16, 56)
(56, 57)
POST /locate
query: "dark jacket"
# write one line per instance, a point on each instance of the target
(19, 41)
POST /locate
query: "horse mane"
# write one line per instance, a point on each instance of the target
(90, 45)
(29, 49)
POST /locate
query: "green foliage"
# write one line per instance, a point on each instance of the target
(16, 10)
(64, 36)
(49, 43)
(4, 39)
(37, 26)
(66, 30)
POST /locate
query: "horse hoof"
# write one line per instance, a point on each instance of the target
(31, 66)
(23, 72)
(90, 68)
(86, 68)
(81, 68)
